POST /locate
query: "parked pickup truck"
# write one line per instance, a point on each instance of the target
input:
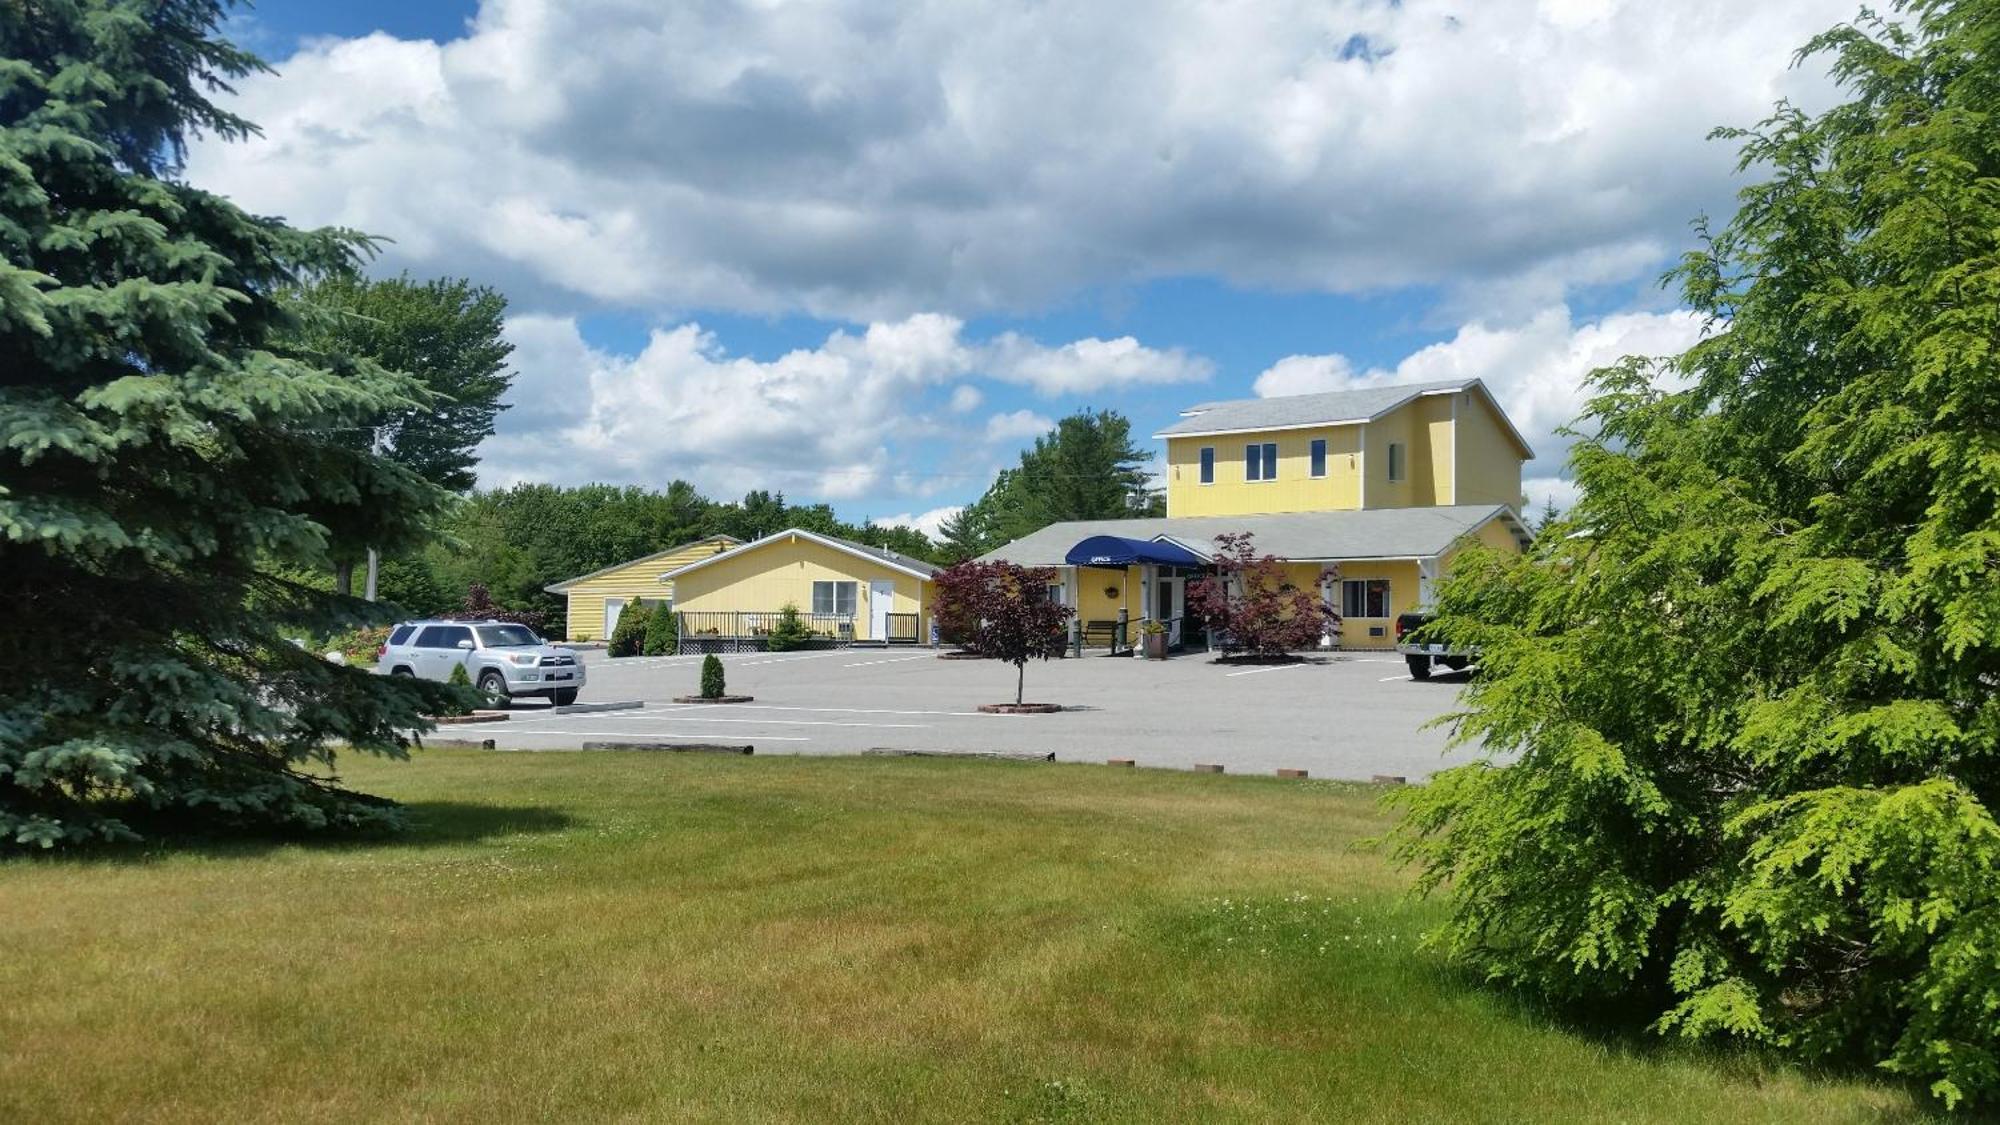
(1421, 652)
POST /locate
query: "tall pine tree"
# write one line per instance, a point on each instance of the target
(161, 449)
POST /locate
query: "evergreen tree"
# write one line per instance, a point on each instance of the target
(662, 631)
(1085, 469)
(1751, 674)
(163, 455)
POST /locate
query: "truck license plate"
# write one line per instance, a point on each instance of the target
(1434, 649)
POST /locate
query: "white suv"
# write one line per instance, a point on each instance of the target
(503, 660)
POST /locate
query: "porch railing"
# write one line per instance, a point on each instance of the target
(904, 629)
(731, 631)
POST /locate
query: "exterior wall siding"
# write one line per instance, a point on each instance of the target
(1295, 489)
(634, 581)
(1412, 426)
(765, 579)
(1489, 470)
(1436, 414)
(1356, 632)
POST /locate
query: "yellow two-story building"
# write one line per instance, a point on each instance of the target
(1365, 494)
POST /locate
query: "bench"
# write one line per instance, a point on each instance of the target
(1101, 634)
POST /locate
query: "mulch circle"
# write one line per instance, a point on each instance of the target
(713, 699)
(1020, 708)
(960, 656)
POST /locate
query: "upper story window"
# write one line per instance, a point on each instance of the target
(1319, 457)
(1208, 464)
(1396, 461)
(1260, 461)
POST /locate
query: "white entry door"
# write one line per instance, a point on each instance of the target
(881, 599)
(613, 607)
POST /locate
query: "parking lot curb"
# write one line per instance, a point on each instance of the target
(674, 747)
(1005, 755)
(587, 708)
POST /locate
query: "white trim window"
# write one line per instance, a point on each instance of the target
(1260, 461)
(1397, 468)
(1364, 597)
(1318, 457)
(834, 598)
(1208, 464)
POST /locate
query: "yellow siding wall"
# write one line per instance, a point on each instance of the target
(1435, 412)
(1489, 466)
(1402, 578)
(1413, 425)
(765, 579)
(1295, 490)
(1095, 604)
(634, 581)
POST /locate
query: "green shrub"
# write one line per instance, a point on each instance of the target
(358, 645)
(712, 686)
(459, 677)
(628, 637)
(662, 634)
(791, 630)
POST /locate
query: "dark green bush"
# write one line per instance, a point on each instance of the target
(662, 633)
(790, 632)
(628, 637)
(712, 686)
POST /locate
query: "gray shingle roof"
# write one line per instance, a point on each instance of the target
(1304, 410)
(886, 555)
(1373, 533)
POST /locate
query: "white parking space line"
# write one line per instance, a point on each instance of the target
(1392, 679)
(865, 711)
(726, 736)
(1272, 668)
(891, 660)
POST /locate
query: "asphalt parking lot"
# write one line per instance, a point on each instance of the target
(1350, 715)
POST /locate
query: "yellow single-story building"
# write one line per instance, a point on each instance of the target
(1369, 565)
(845, 592)
(596, 600)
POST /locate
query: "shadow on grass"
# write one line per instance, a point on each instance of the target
(429, 824)
(1626, 1030)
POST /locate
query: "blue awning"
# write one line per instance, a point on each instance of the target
(1112, 550)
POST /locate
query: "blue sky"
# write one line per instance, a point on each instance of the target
(863, 253)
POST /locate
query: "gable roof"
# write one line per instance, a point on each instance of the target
(917, 568)
(1328, 408)
(563, 586)
(1369, 533)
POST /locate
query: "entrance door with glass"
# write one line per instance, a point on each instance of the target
(1170, 602)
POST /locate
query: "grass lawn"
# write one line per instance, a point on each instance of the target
(676, 937)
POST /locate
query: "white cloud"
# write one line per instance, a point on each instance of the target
(866, 162)
(1541, 490)
(930, 523)
(819, 422)
(1016, 425)
(1534, 368)
(965, 398)
(1092, 365)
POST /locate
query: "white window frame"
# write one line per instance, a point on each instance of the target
(1316, 455)
(1363, 587)
(1399, 462)
(1205, 465)
(835, 587)
(1260, 461)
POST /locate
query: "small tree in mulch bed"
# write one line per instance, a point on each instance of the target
(960, 591)
(1007, 612)
(712, 685)
(1255, 604)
